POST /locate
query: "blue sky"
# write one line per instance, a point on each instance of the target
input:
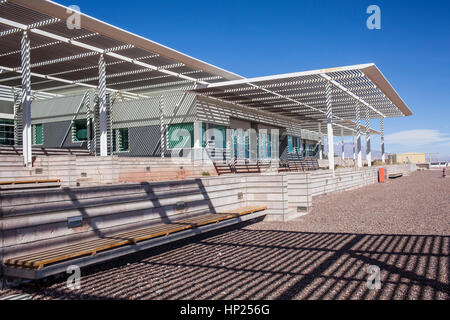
(256, 38)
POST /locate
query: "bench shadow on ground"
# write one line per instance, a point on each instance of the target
(239, 263)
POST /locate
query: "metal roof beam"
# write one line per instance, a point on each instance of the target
(354, 96)
(29, 27)
(70, 82)
(49, 44)
(73, 57)
(298, 102)
(95, 49)
(95, 67)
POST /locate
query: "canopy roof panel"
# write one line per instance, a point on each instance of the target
(63, 58)
(302, 95)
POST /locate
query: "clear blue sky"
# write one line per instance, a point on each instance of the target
(256, 38)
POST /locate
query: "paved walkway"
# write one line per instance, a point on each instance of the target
(401, 228)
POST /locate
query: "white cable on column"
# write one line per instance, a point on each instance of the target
(102, 106)
(26, 99)
(162, 126)
(330, 127)
(368, 151)
(358, 134)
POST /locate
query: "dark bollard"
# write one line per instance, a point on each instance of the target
(444, 172)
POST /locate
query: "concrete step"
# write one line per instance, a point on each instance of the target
(193, 198)
(4, 150)
(105, 194)
(10, 164)
(26, 187)
(11, 158)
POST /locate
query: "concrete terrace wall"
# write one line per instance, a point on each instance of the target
(38, 219)
(291, 194)
(34, 220)
(110, 170)
(304, 186)
(84, 170)
(268, 190)
(54, 167)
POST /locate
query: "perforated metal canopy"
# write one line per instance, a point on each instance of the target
(63, 58)
(302, 95)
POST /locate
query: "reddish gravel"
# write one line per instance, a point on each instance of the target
(402, 227)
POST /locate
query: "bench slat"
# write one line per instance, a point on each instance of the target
(38, 260)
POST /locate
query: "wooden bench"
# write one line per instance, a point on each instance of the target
(247, 168)
(307, 164)
(310, 164)
(30, 184)
(41, 259)
(225, 168)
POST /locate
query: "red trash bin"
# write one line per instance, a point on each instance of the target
(381, 175)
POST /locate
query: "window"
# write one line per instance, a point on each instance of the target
(220, 136)
(6, 132)
(181, 135)
(37, 134)
(290, 144)
(246, 145)
(298, 145)
(235, 143)
(204, 135)
(120, 140)
(218, 132)
(79, 130)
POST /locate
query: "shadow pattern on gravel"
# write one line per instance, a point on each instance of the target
(255, 264)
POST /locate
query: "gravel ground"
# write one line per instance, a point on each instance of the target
(401, 227)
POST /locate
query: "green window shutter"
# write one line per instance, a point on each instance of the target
(203, 135)
(114, 140)
(37, 134)
(120, 140)
(6, 132)
(178, 137)
(123, 139)
(79, 130)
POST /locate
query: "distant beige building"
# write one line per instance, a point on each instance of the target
(413, 157)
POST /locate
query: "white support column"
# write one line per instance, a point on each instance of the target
(230, 145)
(102, 107)
(368, 151)
(275, 145)
(320, 142)
(358, 135)
(198, 147)
(162, 127)
(26, 100)
(253, 144)
(343, 144)
(353, 145)
(330, 128)
(240, 144)
(383, 155)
